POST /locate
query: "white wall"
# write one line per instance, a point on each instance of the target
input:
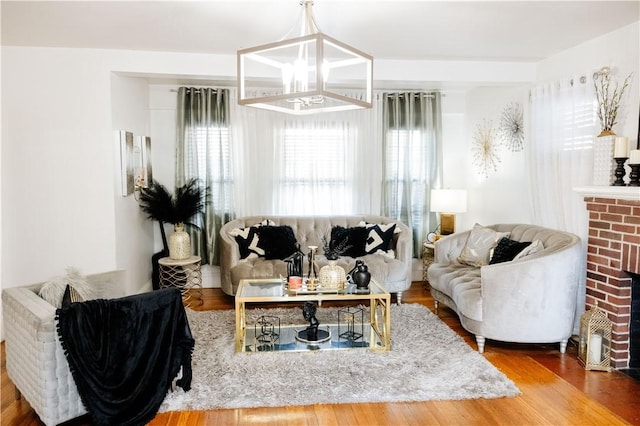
(134, 232)
(503, 196)
(57, 170)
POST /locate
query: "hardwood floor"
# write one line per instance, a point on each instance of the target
(556, 390)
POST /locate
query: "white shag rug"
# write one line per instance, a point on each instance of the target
(427, 361)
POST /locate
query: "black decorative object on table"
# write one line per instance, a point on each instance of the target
(267, 332)
(294, 263)
(353, 319)
(350, 274)
(313, 274)
(362, 277)
(312, 334)
(619, 173)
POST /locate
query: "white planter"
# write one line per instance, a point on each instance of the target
(603, 162)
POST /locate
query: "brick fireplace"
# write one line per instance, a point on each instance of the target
(613, 261)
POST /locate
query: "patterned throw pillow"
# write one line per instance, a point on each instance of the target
(479, 244)
(70, 296)
(507, 249)
(248, 239)
(380, 237)
(353, 238)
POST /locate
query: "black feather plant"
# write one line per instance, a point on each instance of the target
(333, 251)
(158, 203)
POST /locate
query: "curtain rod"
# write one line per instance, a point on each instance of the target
(197, 89)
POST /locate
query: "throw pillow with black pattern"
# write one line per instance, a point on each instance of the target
(248, 240)
(380, 237)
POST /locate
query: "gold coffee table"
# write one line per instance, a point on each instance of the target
(376, 327)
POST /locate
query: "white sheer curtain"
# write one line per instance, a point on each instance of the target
(563, 128)
(328, 163)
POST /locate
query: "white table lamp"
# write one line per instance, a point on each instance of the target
(447, 202)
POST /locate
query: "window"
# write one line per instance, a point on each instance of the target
(212, 163)
(316, 178)
(404, 172)
(578, 123)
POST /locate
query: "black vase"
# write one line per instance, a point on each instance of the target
(362, 277)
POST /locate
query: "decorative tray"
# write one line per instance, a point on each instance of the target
(317, 290)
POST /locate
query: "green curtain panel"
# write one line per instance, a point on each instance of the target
(203, 152)
(411, 167)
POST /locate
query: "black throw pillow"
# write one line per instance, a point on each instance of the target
(278, 242)
(507, 249)
(354, 239)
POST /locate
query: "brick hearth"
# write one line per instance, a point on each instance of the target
(613, 253)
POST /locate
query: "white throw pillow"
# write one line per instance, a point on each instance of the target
(53, 290)
(477, 249)
(534, 247)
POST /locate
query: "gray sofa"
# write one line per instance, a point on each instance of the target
(35, 360)
(528, 300)
(393, 273)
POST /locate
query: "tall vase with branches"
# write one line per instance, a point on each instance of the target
(608, 98)
(160, 205)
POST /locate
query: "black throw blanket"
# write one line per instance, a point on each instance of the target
(124, 353)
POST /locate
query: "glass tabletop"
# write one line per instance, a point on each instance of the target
(276, 288)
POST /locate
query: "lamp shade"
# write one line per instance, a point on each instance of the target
(449, 200)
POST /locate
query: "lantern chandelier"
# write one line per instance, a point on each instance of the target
(306, 74)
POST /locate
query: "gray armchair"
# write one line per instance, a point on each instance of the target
(35, 360)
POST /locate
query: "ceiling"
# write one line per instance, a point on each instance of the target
(429, 30)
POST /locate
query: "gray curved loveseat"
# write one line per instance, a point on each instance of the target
(528, 300)
(394, 273)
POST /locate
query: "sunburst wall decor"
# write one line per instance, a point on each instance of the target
(511, 127)
(485, 149)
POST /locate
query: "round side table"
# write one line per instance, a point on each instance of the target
(184, 274)
(428, 252)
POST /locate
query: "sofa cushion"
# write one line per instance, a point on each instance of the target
(53, 290)
(507, 250)
(532, 248)
(258, 268)
(462, 283)
(353, 238)
(380, 237)
(248, 240)
(479, 244)
(277, 242)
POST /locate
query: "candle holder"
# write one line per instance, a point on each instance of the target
(619, 173)
(634, 175)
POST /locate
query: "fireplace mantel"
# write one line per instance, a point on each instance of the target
(619, 192)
